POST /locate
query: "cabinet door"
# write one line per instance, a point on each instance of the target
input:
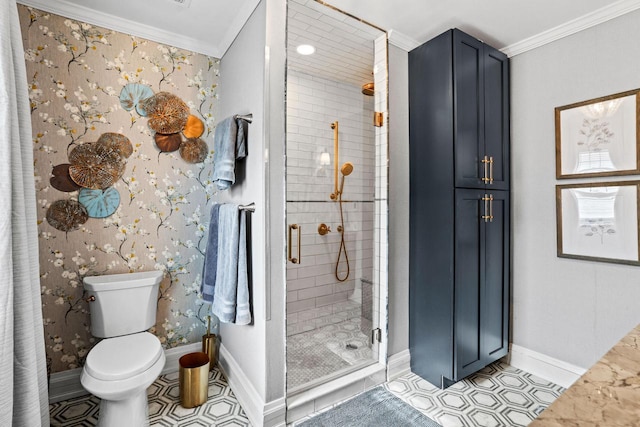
(496, 117)
(481, 114)
(469, 270)
(481, 296)
(495, 290)
(468, 125)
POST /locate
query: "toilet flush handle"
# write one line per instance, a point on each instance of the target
(92, 298)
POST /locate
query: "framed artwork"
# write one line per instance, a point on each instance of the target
(599, 221)
(599, 137)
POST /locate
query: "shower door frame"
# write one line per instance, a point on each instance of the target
(376, 370)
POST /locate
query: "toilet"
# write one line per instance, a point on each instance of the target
(121, 367)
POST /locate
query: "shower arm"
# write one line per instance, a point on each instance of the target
(335, 194)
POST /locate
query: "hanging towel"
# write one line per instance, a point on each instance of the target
(229, 145)
(211, 257)
(241, 138)
(243, 310)
(231, 293)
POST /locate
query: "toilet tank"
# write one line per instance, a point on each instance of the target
(124, 303)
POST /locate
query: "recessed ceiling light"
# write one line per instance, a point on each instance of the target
(305, 49)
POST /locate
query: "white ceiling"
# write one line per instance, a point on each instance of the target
(209, 26)
(500, 23)
(344, 46)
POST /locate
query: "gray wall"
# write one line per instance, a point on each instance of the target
(398, 201)
(274, 162)
(254, 84)
(242, 91)
(568, 309)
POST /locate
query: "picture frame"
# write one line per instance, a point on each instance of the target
(599, 137)
(599, 221)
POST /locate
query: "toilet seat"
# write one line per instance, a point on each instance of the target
(123, 357)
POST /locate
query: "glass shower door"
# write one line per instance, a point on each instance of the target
(336, 179)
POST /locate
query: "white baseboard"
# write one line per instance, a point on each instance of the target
(543, 366)
(398, 364)
(175, 353)
(66, 384)
(260, 414)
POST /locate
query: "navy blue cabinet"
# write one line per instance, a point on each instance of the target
(480, 76)
(459, 207)
(481, 289)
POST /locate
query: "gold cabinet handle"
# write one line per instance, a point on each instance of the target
(491, 170)
(491, 207)
(289, 257)
(485, 199)
(485, 162)
(488, 208)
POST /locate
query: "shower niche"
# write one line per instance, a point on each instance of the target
(336, 190)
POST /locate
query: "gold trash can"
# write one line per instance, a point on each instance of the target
(194, 379)
(209, 347)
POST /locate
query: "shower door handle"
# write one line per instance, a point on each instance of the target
(289, 257)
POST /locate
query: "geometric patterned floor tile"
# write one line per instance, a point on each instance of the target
(221, 409)
(497, 396)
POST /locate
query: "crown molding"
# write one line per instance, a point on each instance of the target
(123, 25)
(402, 41)
(589, 20)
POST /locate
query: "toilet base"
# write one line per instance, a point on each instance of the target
(133, 411)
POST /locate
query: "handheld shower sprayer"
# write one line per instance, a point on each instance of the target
(345, 170)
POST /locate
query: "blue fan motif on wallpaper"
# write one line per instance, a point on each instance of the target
(131, 95)
(99, 203)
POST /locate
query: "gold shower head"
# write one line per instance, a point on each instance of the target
(346, 168)
(367, 89)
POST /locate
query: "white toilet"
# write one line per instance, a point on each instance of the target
(121, 367)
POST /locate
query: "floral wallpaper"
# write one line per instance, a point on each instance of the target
(76, 72)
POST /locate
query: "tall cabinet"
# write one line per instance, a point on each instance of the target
(459, 207)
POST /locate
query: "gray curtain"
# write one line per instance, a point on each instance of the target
(23, 375)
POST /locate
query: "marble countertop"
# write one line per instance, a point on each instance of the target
(608, 394)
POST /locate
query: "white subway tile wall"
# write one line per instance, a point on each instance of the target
(314, 296)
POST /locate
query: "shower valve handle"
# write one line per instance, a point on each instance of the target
(323, 229)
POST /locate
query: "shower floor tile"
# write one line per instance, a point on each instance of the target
(324, 351)
(222, 407)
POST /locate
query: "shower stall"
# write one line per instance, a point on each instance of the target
(336, 190)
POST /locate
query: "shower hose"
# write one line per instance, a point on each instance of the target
(343, 247)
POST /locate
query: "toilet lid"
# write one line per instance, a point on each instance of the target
(123, 357)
